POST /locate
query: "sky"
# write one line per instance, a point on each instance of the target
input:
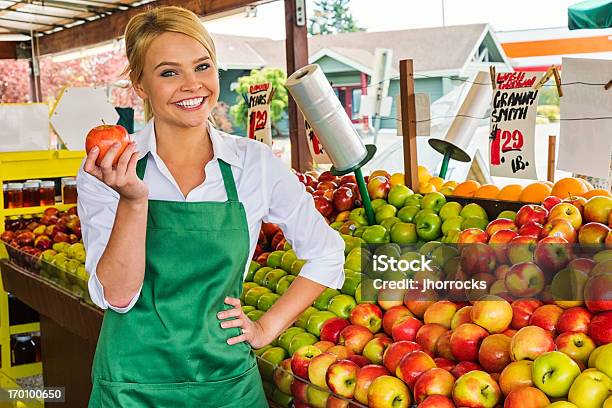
(387, 15)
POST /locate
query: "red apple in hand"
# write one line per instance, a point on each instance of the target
(104, 136)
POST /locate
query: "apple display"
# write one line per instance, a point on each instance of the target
(476, 389)
(554, 372)
(530, 342)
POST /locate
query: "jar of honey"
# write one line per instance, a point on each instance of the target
(69, 190)
(15, 195)
(5, 194)
(31, 194)
(47, 192)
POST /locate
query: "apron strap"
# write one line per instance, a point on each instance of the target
(226, 172)
(228, 180)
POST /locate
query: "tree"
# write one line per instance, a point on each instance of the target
(278, 105)
(332, 17)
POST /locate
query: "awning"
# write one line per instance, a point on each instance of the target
(590, 14)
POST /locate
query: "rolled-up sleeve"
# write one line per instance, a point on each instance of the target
(292, 208)
(97, 205)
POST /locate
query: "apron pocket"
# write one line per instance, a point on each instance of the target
(235, 392)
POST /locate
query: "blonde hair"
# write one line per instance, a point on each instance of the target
(145, 27)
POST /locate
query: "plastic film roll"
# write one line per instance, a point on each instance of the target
(323, 111)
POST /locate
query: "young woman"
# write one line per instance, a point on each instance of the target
(170, 229)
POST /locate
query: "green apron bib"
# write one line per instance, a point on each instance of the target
(169, 350)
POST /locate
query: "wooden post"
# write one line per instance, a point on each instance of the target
(296, 46)
(408, 109)
(552, 145)
(34, 64)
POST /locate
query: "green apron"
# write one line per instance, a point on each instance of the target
(169, 350)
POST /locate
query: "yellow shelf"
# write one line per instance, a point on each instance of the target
(25, 370)
(7, 383)
(8, 212)
(40, 165)
(24, 328)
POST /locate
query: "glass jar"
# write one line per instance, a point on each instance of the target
(31, 194)
(69, 190)
(5, 191)
(24, 350)
(47, 192)
(15, 195)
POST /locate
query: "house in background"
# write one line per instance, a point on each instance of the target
(444, 57)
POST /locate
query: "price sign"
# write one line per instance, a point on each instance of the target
(512, 129)
(318, 153)
(260, 125)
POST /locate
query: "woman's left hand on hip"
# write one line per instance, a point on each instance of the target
(252, 332)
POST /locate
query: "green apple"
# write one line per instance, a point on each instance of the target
(287, 260)
(414, 200)
(442, 254)
(284, 340)
(451, 223)
(450, 209)
(284, 283)
(296, 266)
(376, 234)
(359, 216)
(452, 237)
(301, 339)
(398, 194)
(474, 222)
(260, 274)
(253, 267)
(473, 210)
(429, 227)
(323, 300)
(428, 247)
(316, 320)
(553, 373)
(379, 202)
(353, 262)
(352, 243)
(393, 276)
(407, 213)
(247, 309)
(302, 319)
(282, 399)
(269, 360)
(511, 215)
(603, 360)
(590, 389)
(274, 259)
(365, 292)
(272, 278)
(245, 288)
(389, 222)
(266, 301)
(252, 296)
(422, 213)
(254, 315)
(351, 281)
(62, 247)
(434, 200)
(359, 232)
(336, 225)
(385, 211)
(342, 305)
(562, 404)
(316, 397)
(403, 233)
(260, 351)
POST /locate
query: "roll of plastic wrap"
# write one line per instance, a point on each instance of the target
(323, 111)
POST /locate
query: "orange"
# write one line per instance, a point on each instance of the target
(466, 189)
(569, 186)
(437, 182)
(549, 183)
(588, 185)
(487, 191)
(511, 192)
(397, 179)
(427, 188)
(535, 193)
(597, 192)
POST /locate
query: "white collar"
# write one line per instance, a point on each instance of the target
(224, 147)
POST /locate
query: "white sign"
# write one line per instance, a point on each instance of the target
(423, 114)
(512, 129)
(260, 123)
(585, 144)
(25, 127)
(318, 153)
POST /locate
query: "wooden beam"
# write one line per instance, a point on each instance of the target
(8, 49)
(408, 106)
(296, 47)
(113, 26)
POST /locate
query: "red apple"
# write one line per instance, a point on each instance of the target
(343, 199)
(43, 242)
(324, 206)
(492, 313)
(412, 365)
(593, 233)
(577, 202)
(437, 401)
(330, 330)
(531, 213)
(498, 242)
(301, 360)
(341, 378)
(323, 345)
(444, 363)
(560, 227)
(441, 312)
(392, 315)
(428, 335)
(465, 341)
(443, 346)
(472, 235)
(521, 249)
(340, 351)
(516, 375)
(529, 342)
(500, 224)
(476, 389)
(375, 349)
(365, 377)
(299, 389)
(348, 178)
(552, 254)
(574, 319)
(394, 353)
(462, 315)
(417, 303)
(367, 315)
(600, 329)
(464, 367)
(378, 187)
(524, 279)
(318, 366)
(355, 338)
(546, 317)
(494, 353)
(435, 381)
(533, 229)
(478, 258)
(598, 289)
(550, 201)
(567, 212)
(406, 328)
(104, 136)
(527, 397)
(388, 391)
(327, 176)
(358, 359)
(577, 345)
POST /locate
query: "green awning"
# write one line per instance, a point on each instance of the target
(590, 14)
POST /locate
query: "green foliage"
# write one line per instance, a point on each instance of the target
(548, 113)
(277, 77)
(549, 95)
(332, 17)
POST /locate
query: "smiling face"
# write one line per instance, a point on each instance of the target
(179, 80)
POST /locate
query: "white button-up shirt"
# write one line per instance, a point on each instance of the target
(266, 187)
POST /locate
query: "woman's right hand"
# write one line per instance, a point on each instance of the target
(122, 178)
